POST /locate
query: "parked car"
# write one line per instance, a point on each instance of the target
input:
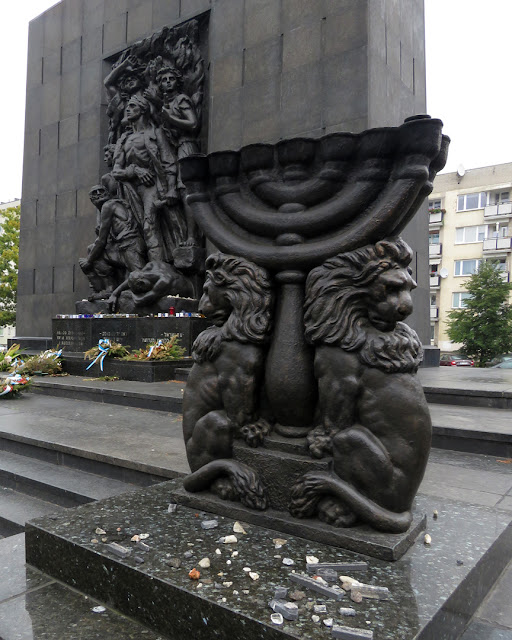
(499, 359)
(506, 364)
(449, 360)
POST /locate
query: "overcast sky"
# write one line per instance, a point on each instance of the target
(468, 81)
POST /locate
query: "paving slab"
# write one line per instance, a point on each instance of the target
(150, 441)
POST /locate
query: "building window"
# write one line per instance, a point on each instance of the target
(434, 204)
(466, 267)
(432, 333)
(433, 238)
(433, 299)
(501, 197)
(471, 201)
(433, 269)
(458, 299)
(470, 234)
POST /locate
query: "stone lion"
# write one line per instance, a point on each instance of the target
(222, 397)
(373, 416)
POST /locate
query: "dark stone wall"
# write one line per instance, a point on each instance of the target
(277, 69)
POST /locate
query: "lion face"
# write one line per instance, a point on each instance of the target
(389, 298)
(214, 303)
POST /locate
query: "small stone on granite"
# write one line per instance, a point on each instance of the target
(288, 562)
(138, 559)
(142, 546)
(174, 562)
(172, 508)
(204, 563)
(328, 622)
(280, 593)
(98, 609)
(237, 528)
(347, 611)
(277, 618)
(188, 554)
(209, 524)
(349, 633)
(315, 618)
(228, 539)
(320, 608)
(297, 595)
(118, 549)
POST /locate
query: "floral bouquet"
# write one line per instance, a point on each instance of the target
(13, 385)
(10, 357)
(105, 348)
(160, 350)
(48, 362)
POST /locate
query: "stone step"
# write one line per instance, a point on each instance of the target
(18, 508)
(54, 483)
(107, 466)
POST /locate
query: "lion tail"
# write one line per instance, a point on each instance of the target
(244, 480)
(311, 488)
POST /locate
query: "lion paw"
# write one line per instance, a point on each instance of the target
(319, 443)
(254, 434)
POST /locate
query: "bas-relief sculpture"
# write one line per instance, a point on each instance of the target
(155, 95)
(308, 299)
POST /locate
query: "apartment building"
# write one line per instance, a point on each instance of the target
(7, 332)
(470, 220)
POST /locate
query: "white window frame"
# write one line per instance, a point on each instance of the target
(482, 201)
(433, 204)
(464, 232)
(465, 275)
(462, 295)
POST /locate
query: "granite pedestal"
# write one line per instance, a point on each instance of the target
(139, 371)
(80, 334)
(434, 589)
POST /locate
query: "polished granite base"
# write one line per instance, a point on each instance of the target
(362, 539)
(34, 607)
(434, 589)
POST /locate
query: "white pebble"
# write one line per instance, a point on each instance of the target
(237, 528)
(247, 569)
(277, 618)
(100, 532)
(312, 560)
(228, 539)
(253, 575)
(218, 552)
(315, 618)
(427, 539)
(328, 622)
(98, 609)
(204, 563)
(288, 562)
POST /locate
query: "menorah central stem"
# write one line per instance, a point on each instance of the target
(289, 379)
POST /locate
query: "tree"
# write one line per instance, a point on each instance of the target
(9, 248)
(484, 325)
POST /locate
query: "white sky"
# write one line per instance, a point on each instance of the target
(468, 81)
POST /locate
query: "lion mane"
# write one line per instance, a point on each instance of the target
(249, 290)
(336, 307)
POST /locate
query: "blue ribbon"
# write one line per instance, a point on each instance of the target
(104, 347)
(158, 344)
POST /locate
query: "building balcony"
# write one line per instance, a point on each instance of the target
(498, 211)
(435, 220)
(505, 276)
(435, 282)
(434, 249)
(434, 313)
(497, 245)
